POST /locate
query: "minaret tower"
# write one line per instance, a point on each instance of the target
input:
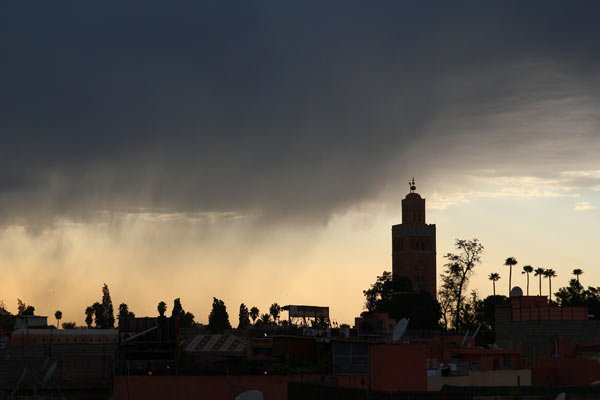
(413, 244)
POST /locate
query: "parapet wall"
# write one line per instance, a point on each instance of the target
(536, 338)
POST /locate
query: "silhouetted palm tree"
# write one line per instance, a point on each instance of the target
(58, 316)
(527, 269)
(275, 310)
(254, 313)
(577, 272)
(494, 276)
(539, 272)
(265, 319)
(509, 262)
(550, 273)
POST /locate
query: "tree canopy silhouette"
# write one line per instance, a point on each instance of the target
(89, 316)
(102, 313)
(161, 308)
(480, 313)
(572, 295)
(384, 288)
(575, 295)
(218, 319)
(274, 311)
(124, 311)
(394, 295)
(24, 309)
(254, 313)
(69, 325)
(244, 317)
(455, 279)
(265, 319)
(186, 319)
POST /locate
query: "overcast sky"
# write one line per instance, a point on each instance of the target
(240, 149)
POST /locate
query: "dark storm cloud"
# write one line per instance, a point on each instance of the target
(293, 110)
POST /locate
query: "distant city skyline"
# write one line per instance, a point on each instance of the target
(260, 154)
(360, 248)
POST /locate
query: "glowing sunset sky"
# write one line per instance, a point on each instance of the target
(258, 152)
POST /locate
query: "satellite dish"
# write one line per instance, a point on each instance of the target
(49, 373)
(400, 329)
(516, 292)
(250, 395)
(561, 396)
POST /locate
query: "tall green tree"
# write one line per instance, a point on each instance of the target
(244, 317)
(577, 272)
(218, 319)
(550, 273)
(254, 313)
(58, 316)
(539, 272)
(510, 262)
(458, 270)
(494, 277)
(527, 269)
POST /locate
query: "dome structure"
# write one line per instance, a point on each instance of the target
(516, 292)
(413, 196)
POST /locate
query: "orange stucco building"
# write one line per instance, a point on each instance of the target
(413, 244)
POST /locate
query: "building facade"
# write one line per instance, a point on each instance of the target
(413, 244)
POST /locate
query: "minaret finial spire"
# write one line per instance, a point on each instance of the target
(412, 186)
